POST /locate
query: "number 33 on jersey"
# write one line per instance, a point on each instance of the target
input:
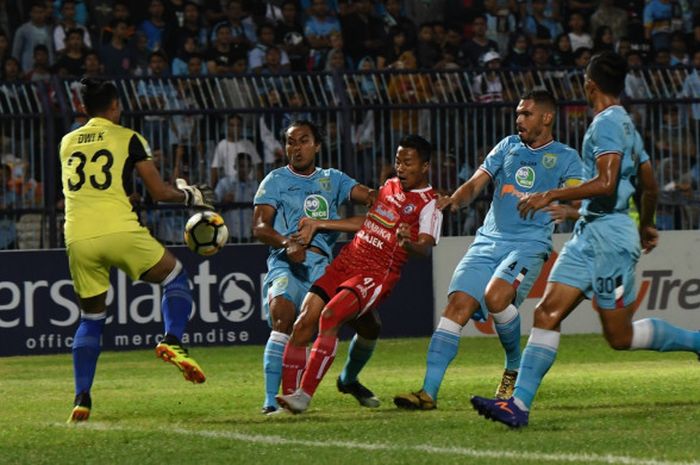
(95, 168)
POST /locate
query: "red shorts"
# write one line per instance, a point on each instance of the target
(369, 288)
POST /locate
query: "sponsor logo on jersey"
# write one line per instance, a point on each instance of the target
(396, 199)
(549, 160)
(316, 207)
(370, 239)
(510, 189)
(384, 215)
(325, 184)
(374, 228)
(525, 177)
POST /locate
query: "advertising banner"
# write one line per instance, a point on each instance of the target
(39, 312)
(667, 280)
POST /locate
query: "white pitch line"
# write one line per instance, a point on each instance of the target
(517, 456)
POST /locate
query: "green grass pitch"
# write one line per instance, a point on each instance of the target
(596, 406)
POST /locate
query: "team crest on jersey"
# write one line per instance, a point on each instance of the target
(525, 177)
(408, 209)
(279, 284)
(384, 215)
(316, 207)
(260, 192)
(325, 184)
(549, 160)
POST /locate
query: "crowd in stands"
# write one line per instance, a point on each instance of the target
(213, 37)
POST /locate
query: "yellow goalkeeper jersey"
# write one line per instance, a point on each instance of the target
(97, 164)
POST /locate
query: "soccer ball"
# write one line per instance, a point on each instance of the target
(206, 233)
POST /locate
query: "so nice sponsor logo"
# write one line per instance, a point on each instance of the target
(658, 290)
(217, 298)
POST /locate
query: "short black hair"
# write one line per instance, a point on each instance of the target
(420, 144)
(608, 70)
(541, 97)
(97, 95)
(315, 130)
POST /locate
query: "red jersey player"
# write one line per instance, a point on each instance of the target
(403, 219)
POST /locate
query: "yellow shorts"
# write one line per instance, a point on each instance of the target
(90, 260)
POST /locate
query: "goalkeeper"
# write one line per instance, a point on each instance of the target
(102, 232)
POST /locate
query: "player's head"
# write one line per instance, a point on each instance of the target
(535, 116)
(100, 98)
(302, 141)
(412, 162)
(605, 76)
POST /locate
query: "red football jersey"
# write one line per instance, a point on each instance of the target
(375, 247)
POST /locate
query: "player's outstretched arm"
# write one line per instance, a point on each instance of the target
(192, 196)
(604, 184)
(648, 234)
(309, 226)
(363, 195)
(263, 217)
(421, 247)
(466, 193)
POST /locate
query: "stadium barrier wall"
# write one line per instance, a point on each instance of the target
(39, 311)
(667, 281)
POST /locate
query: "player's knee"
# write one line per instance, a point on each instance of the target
(304, 328)
(618, 341)
(460, 308)
(545, 318)
(369, 329)
(496, 301)
(328, 320)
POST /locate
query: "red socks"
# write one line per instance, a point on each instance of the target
(293, 364)
(322, 356)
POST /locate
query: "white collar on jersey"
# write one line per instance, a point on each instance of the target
(540, 147)
(316, 170)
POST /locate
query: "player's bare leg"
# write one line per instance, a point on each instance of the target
(176, 306)
(86, 351)
(443, 348)
(499, 298)
(342, 308)
(559, 300)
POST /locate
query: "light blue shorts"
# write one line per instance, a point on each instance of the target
(510, 261)
(599, 259)
(292, 281)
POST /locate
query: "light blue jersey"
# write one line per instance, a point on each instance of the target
(612, 131)
(506, 246)
(601, 256)
(294, 196)
(517, 169)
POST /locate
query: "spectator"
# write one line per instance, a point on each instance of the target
(623, 46)
(92, 64)
(295, 101)
(68, 22)
(30, 34)
(224, 162)
(455, 46)
(82, 16)
(662, 58)
(221, 56)
(120, 11)
(9, 16)
(242, 32)
(691, 88)
(363, 32)
(540, 28)
(155, 94)
(518, 56)
(266, 39)
(4, 46)
(563, 54)
(396, 45)
(155, 28)
(603, 40)
(40, 71)
(272, 62)
(290, 34)
(270, 125)
(432, 11)
(479, 44)
(11, 72)
(393, 18)
(318, 29)
(407, 89)
(192, 26)
(607, 14)
(240, 188)
(679, 55)
(140, 56)
(500, 21)
(487, 86)
(577, 32)
(181, 62)
(72, 61)
(427, 53)
(115, 55)
(660, 21)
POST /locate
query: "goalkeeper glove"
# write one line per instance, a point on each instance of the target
(200, 195)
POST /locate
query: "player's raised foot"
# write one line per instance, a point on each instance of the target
(81, 408)
(507, 385)
(296, 402)
(420, 400)
(268, 409)
(503, 411)
(364, 396)
(170, 350)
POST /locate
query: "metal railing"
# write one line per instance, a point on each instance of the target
(363, 114)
